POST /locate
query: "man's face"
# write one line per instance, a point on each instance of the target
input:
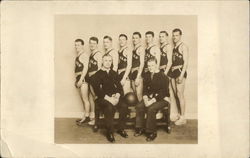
(122, 41)
(152, 66)
(176, 37)
(78, 46)
(107, 62)
(162, 37)
(107, 43)
(136, 39)
(92, 45)
(149, 38)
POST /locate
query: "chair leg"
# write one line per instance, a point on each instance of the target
(168, 122)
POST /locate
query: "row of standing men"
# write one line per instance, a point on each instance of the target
(132, 71)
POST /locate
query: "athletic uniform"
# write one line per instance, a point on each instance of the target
(164, 59)
(135, 64)
(122, 64)
(148, 56)
(79, 68)
(93, 65)
(177, 63)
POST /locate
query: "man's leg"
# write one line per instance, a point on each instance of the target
(151, 115)
(109, 111)
(139, 89)
(139, 120)
(180, 93)
(123, 111)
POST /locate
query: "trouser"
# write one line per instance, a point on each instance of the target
(108, 110)
(151, 111)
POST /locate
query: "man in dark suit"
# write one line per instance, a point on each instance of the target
(155, 97)
(109, 94)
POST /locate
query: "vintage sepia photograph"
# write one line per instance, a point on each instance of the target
(126, 79)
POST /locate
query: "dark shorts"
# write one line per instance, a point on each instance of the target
(78, 78)
(133, 75)
(169, 73)
(176, 73)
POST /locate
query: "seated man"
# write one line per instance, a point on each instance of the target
(108, 90)
(155, 98)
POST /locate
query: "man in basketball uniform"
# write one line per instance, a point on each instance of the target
(109, 90)
(166, 52)
(107, 43)
(81, 68)
(155, 98)
(151, 51)
(95, 63)
(178, 72)
(138, 56)
(125, 63)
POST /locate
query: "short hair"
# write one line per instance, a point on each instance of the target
(94, 39)
(107, 37)
(107, 55)
(80, 40)
(150, 33)
(152, 59)
(137, 33)
(177, 30)
(123, 35)
(166, 33)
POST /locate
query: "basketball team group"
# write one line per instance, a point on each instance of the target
(112, 80)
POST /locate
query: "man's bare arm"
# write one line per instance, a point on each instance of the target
(129, 63)
(142, 56)
(169, 51)
(185, 54)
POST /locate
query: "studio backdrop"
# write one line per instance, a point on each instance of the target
(70, 27)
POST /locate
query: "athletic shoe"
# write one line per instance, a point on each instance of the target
(181, 121)
(91, 122)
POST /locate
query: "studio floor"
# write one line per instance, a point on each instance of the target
(67, 132)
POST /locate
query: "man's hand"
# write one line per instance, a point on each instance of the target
(113, 100)
(151, 101)
(180, 79)
(79, 84)
(123, 81)
(145, 99)
(137, 81)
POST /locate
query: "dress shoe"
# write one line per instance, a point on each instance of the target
(151, 136)
(138, 132)
(123, 133)
(110, 137)
(80, 122)
(95, 128)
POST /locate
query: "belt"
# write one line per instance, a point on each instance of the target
(121, 70)
(78, 73)
(163, 66)
(92, 73)
(176, 67)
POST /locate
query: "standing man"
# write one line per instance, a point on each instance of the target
(125, 63)
(95, 63)
(166, 53)
(152, 51)
(138, 56)
(178, 72)
(81, 68)
(155, 98)
(107, 43)
(109, 91)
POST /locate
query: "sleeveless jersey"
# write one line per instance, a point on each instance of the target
(108, 52)
(78, 64)
(122, 59)
(164, 58)
(177, 60)
(135, 58)
(93, 66)
(148, 55)
(177, 57)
